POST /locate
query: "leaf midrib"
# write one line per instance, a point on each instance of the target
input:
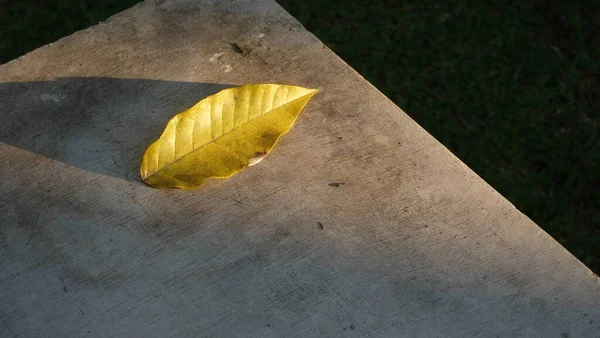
(224, 134)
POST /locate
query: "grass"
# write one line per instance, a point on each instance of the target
(513, 90)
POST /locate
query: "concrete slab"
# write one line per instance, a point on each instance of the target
(413, 244)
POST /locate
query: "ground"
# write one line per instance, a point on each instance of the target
(512, 88)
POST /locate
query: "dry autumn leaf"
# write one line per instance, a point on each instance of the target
(222, 134)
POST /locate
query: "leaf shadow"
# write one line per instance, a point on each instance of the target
(99, 124)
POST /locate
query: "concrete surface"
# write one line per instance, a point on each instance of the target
(413, 244)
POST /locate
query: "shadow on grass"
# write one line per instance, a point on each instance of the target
(98, 124)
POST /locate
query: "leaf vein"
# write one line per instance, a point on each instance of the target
(214, 140)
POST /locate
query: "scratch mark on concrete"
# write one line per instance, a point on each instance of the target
(50, 97)
(215, 58)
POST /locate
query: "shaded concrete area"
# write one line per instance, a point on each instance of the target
(413, 243)
(76, 120)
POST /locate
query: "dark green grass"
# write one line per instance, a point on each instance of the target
(513, 90)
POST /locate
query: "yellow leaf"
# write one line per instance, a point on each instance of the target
(222, 134)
